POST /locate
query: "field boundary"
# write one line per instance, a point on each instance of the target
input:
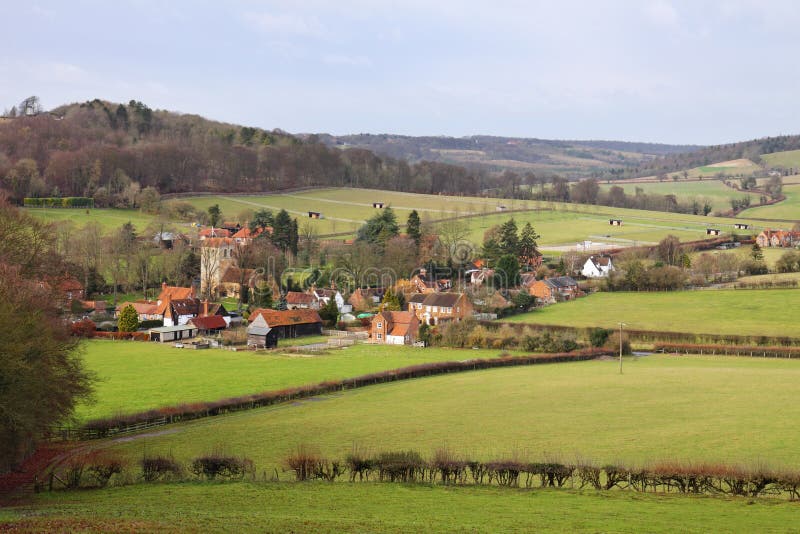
(102, 428)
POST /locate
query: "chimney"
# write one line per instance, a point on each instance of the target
(205, 307)
(163, 286)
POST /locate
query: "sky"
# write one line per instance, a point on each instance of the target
(693, 72)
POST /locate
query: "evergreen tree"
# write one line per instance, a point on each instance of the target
(527, 242)
(756, 253)
(390, 301)
(329, 312)
(413, 227)
(214, 214)
(261, 220)
(128, 319)
(294, 237)
(379, 229)
(282, 231)
(508, 240)
(507, 271)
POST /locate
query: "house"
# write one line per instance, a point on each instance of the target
(146, 310)
(778, 238)
(245, 236)
(208, 233)
(425, 283)
(175, 312)
(366, 298)
(230, 283)
(260, 335)
(168, 240)
(713, 231)
(290, 323)
(174, 292)
(490, 300)
(597, 267)
(323, 296)
(436, 308)
(165, 334)
(296, 300)
(555, 289)
(478, 277)
(526, 280)
(70, 289)
(208, 324)
(615, 222)
(394, 328)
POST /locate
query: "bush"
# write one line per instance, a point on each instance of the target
(303, 462)
(216, 465)
(83, 328)
(614, 340)
(103, 468)
(598, 336)
(160, 468)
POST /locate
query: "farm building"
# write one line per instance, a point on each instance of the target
(314, 215)
(165, 334)
(501, 207)
(741, 226)
(615, 222)
(209, 324)
(260, 335)
(713, 231)
(377, 205)
(290, 323)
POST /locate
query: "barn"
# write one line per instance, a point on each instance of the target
(377, 205)
(315, 215)
(615, 222)
(713, 231)
(741, 226)
(289, 324)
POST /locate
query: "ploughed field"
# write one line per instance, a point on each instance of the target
(773, 312)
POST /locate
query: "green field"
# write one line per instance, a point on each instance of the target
(786, 159)
(691, 408)
(714, 191)
(788, 209)
(319, 507)
(750, 312)
(135, 376)
(108, 218)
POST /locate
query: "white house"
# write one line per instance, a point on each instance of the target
(597, 267)
(324, 295)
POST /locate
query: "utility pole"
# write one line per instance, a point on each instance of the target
(620, 346)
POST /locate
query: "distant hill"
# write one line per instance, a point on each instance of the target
(572, 159)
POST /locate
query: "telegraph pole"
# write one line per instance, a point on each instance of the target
(620, 346)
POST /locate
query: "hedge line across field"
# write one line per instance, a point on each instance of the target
(728, 350)
(101, 428)
(59, 202)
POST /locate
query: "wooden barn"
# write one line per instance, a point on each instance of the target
(289, 324)
(377, 205)
(741, 226)
(315, 215)
(713, 231)
(260, 335)
(615, 222)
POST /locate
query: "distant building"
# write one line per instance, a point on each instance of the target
(394, 328)
(436, 308)
(290, 323)
(713, 231)
(556, 289)
(597, 267)
(615, 222)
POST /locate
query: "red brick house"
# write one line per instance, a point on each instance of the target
(434, 308)
(394, 328)
(555, 289)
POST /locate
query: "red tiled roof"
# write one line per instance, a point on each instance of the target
(214, 232)
(209, 322)
(288, 317)
(245, 233)
(142, 308)
(217, 241)
(295, 297)
(175, 292)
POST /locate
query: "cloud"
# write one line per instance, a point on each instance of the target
(286, 24)
(661, 12)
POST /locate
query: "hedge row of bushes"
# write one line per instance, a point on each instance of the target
(59, 202)
(446, 467)
(136, 336)
(729, 350)
(100, 428)
(652, 336)
(443, 467)
(98, 469)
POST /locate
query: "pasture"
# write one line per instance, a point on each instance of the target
(789, 209)
(746, 312)
(108, 218)
(786, 159)
(717, 194)
(321, 507)
(136, 376)
(687, 408)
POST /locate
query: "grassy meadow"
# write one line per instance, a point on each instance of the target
(714, 191)
(789, 209)
(374, 507)
(771, 312)
(107, 218)
(787, 159)
(689, 408)
(135, 376)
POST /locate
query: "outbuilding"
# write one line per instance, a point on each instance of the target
(166, 334)
(314, 215)
(741, 226)
(377, 205)
(713, 231)
(615, 222)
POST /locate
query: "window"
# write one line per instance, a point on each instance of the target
(380, 325)
(380, 336)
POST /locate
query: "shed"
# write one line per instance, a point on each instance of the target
(209, 324)
(615, 222)
(501, 207)
(377, 205)
(260, 335)
(165, 334)
(713, 231)
(741, 226)
(315, 215)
